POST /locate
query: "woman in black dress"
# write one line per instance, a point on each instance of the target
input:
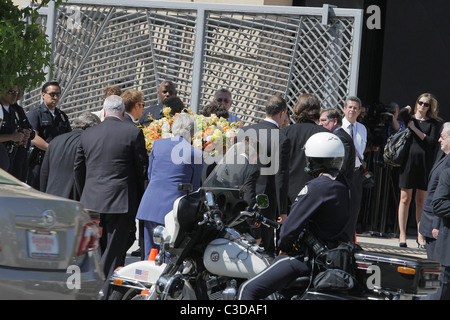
(426, 126)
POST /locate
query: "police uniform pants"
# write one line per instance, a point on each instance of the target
(283, 271)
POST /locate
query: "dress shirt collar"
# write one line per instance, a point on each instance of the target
(131, 117)
(272, 121)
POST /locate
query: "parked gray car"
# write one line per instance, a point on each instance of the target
(48, 246)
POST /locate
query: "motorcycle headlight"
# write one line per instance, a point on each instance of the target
(159, 235)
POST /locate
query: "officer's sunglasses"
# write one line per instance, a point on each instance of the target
(13, 92)
(54, 94)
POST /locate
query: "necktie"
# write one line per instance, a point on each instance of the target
(352, 131)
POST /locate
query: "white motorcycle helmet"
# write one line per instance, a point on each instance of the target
(324, 153)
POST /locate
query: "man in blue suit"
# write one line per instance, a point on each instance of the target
(172, 161)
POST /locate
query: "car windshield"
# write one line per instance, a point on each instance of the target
(6, 178)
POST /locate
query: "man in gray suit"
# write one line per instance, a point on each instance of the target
(110, 167)
(441, 208)
(440, 219)
(429, 222)
(57, 166)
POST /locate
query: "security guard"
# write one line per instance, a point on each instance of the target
(324, 204)
(48, 122)
(15, 132)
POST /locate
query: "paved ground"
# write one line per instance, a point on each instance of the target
(387, 244)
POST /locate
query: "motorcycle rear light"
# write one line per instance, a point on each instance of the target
(406, 270)
(89, 239)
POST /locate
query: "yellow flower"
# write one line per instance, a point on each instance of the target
(213, 134)
(166, 112)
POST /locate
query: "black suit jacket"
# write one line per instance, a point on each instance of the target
(110, 167)
(348, 167)
(298, 134)
(57, 175)
(274, 178)
(127, 118)
(441, 208)
(155, 111)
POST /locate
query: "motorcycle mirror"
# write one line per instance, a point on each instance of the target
(262, 201)
(210, 199)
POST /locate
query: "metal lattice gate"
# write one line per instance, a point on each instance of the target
(255, 51)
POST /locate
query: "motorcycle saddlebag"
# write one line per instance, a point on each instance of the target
(397, 273)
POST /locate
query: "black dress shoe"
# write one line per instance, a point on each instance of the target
(403, 244)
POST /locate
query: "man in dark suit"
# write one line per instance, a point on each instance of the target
(166, 89)
(57, 167)
(429, 222)
(331, 119)
(273, 161)
(134, 105)
(441, 208)
(110, 167)
(306, 115)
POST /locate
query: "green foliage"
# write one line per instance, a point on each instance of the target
(24, 48)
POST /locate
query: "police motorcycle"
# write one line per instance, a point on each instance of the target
(348, 272)
(345, 271)
(202, 254)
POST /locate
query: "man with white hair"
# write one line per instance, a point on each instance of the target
(110, 168)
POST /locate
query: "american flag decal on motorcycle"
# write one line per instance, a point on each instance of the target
(141, 275)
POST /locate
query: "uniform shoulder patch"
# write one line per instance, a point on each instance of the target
(302, 192)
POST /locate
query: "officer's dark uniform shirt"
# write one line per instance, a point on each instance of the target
(47, 125)
(10, 121)
(155, 111)
(13, 118)
(328, 206)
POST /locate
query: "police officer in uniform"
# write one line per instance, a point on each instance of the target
(15, 132)
(48, 122)
(324, 204)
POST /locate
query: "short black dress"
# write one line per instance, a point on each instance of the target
(422, 153)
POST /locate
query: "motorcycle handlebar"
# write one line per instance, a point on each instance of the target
(270, 223)
(260, 218)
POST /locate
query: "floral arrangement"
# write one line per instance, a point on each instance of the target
(213, 135)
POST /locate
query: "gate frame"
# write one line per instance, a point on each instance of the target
(326, 11)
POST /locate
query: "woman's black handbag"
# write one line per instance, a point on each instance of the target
(397, 148)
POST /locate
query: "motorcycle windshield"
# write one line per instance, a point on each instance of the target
(226, 182)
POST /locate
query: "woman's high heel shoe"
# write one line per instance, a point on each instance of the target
(420, 246)
(403, 244)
